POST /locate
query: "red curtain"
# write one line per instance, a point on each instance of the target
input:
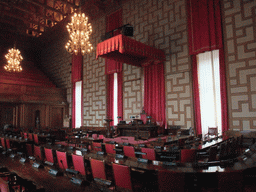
(196, 96)
(77, 72)
(111, 66)
(204, 25)
(154, 97)
(120, 95)
(113, 21)
(205, 34)
(223, 92)
(110, 98)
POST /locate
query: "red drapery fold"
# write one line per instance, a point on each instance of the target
(77, 72)
(113, 21)
(110, 98)
(196, 96)
(154, 97)
(112, 66)
(223, 92)
(205, 34)
(204, 25)
(74, 106)
(120, 95)
(127, 50)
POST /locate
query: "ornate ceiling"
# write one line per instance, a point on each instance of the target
(34, 17)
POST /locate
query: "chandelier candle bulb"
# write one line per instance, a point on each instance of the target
(79, 30)
(13, 59)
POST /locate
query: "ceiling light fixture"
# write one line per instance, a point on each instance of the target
(13, 60)
(79, 31)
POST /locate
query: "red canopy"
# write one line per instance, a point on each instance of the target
(126, 50)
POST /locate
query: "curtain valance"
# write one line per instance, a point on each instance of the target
(126, 50)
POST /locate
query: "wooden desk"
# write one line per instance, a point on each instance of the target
(142, 131)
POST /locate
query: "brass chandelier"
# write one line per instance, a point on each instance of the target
(79, 31)
(13, 60)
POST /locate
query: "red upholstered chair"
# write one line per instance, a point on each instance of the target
(94, 136)
(29, 149)
(38, 154)
(49, 156)
(98, 169)
(8, 143)
(122, 176)
(143, 118)
(36, 140)
(187, 155)
(30, 137)
(101, 136)
(79, 164)
(4, 185)
(96, 146)
(110, 148)
(62, 160)
(129, 151)
(25, 135)
(99, 175)
(150, 153)
(3, 143)
(170, 181)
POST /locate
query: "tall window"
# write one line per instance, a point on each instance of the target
(115, 102)
(78, 104)
(209, 90)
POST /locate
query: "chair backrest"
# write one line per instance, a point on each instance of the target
(62, 159)
(96, 146)
(25, 135)
(29, 149)
(36, 139)
(110, 148)
(49, 155)
(8, 143)
(187, 155)
(98, 169)
(129, 151)
(170, 181)
(38, 152)
(223, 151)
(30, 136)
(4, 185)
(122, 176)
(101, 136)
(213, 131)
(94, 136)
(213, 151)
(3, 143)
(150, 153)
(78, 163)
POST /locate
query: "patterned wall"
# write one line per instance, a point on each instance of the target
(94, 90)
(162, 24)
(240, 36)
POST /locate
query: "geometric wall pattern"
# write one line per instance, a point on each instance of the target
(240, 47)
(163, 25)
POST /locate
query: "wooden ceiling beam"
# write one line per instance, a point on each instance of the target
(45, 7)
(25, 20)
(29, 13)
